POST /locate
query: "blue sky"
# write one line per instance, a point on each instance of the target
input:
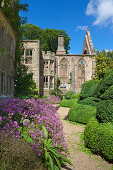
(74, 16)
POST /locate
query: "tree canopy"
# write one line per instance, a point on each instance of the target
(47, 37)
(104, 62)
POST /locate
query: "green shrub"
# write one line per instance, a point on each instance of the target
(91, 136)
(68, 103)
(44, 97)
(104, 84)
(88, 89)
(107, 141)
(81, 113)
(69, 95)
(108, 94)
(105, 111)
(77, 96)
(99, 138)
(89, 101)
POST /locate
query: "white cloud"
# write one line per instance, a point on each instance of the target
(84, 28)
(102, 10)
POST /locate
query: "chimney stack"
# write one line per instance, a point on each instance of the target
(61, 49)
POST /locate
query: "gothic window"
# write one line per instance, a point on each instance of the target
(63, 73)
(45, 82)
(28, 57)
(51, 65)
(81, 73)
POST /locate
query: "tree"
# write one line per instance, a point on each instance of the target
(48, 37)
(104, 62)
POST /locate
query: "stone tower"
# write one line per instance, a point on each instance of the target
(61, 49)
(88, 47)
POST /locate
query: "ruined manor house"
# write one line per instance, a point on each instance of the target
(72, 69)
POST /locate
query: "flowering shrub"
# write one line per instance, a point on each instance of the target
(15, 112)
(52, 99)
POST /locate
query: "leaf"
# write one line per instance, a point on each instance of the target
(56, 168)
(45, 132)
(51, 164)
(58, 162)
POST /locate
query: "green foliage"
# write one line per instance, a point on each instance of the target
(104, 84)
(69, 95)
(48, 37)
(99, 138)
(88, 89)
(89, 101)
(52, 156)
(57, 91)
(81, 113)
(44, 97)
(108, 94)
(77, 96)
(68, 103)
(105, 111)
(91, 135)
(103, 64)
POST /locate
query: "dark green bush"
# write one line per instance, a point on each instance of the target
(105, 111)
(68, 103)
(69, 95)
(89, 101)
(99, 138)
(81, 113)
(104, 84)
(108, 94)
(88, 89)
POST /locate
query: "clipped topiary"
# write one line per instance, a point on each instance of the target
(99, 138)
(88, 89)
(108, 94)
(92, 140)
(77, 96)
(104, 84)
(68, 103)
(106, 144)
(105, 111)
(81, 113)
(89, 101)
(69, 95)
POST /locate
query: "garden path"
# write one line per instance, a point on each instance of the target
(80, 159)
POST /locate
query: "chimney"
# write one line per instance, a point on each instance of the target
(60, 49)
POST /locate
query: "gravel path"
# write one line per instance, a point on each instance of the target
(80, 160)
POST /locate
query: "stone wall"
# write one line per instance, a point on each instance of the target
(7, 57)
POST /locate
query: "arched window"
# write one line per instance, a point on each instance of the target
(81, 73)
(63, 73)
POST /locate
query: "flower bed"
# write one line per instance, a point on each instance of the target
(15, 112)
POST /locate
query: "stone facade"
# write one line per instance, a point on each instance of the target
(72, 69)
(7, 57)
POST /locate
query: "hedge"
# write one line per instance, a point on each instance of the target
(68, 103)
(108, 94)
(88, 89)
(69, 95)
(104, 84)
(89, 101)
(99, 138)
(105, 111)
(81, 113)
